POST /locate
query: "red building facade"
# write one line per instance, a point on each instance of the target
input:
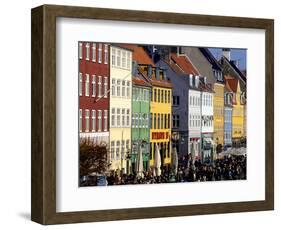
(94, 86)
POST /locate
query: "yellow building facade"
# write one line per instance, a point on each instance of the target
(160, 130)
(219, 113)
(238, 118)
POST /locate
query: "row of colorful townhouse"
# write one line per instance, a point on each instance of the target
(133, 98)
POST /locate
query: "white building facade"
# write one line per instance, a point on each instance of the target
(120, 108)
(207, 122)
(194, 116)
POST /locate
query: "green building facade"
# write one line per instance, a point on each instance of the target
(141, 92)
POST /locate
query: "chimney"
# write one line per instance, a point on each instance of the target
(134, 68)
(226, 53)
(149, 71)
(157, 73)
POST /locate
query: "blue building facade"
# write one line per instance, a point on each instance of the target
(228, 118)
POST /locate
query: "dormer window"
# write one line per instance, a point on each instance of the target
(196, 81)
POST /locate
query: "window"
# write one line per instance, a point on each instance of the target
(105, 54)
(123, 150)
(99, 87)
(133, 120)
(118, 62)
(113, 57)
(176, 121)
(162, 121)
(154, 121)
(105, 120)
(100, 53)
(118, 117)
(123, 88)
(93, 120)
(158, 121)
(151, 120)
(112, 149)
(162, 96)
(87, 116)
(165, 121)
(80, 83)
(169, 97)
(87, 84)
(118, 88)
(128, 117)
(169, 121)
(123, 118)
(158, 94)
(128, 60)
(117, 150)
(87, 51)
(123, 59)
(127, 145)
(165, 96)
(136, 120)
(113, 81)
(94, 52)
(80, 120)
(105, 88)
(176, 100)
(140, 120)
(154, 99)
(94, 86)
(99, 120)
(128, 89)
(80, 50)
(113, 117)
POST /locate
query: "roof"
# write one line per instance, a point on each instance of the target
(183, 64)
(155, 82)
(137, 80)
(209, 56)
(139, 54)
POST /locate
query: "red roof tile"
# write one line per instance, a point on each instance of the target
(184, 64)
(139, 54)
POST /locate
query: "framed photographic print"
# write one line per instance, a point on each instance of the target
(140, 114)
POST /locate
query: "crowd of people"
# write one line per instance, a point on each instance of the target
(225, 168)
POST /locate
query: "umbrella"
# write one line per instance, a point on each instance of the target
(175, 160)
(157, 162)
(139, 163)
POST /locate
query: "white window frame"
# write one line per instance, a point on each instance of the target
(123, 90)
(100, 53)
(99, 120)
(80, 120)
(129, 60)
(123, 113)
(128, 118)
(105, 86)
(87, 85)
(128, 89)
(80, 50)
(112, 150)
(94, 52)
(118, 58)
(87, 120)
(113, 118)
(113, 57)
(94, 86)
(105, 54)
(117, 150)
(123, 59)
(99, 86)
(113, 87)
(118, 117)
(80, 84)
(94, 120)
(87, 51)
(118, 88)
(105, 120)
